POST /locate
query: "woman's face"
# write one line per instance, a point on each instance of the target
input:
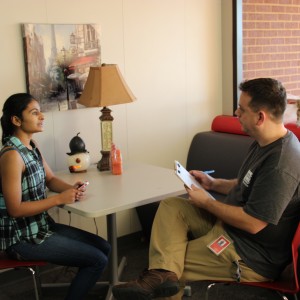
(32, 118)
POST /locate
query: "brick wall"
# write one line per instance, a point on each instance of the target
(271, 41)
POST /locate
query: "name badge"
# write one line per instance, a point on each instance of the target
(219, 245)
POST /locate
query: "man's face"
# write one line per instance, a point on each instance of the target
(247, 117)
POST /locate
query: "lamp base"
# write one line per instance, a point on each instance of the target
(103, 163)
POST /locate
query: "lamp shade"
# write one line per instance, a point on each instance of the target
(105, 86)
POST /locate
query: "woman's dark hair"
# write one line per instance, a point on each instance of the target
(13, 106)
(266, 93)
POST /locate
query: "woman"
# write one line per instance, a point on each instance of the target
(26, 230)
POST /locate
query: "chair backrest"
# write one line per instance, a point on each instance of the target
(222, 152)
(288, 282)
(295, 250)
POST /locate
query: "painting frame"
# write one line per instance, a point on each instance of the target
(57, 60)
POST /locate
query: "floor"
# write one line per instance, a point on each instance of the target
(15, 285)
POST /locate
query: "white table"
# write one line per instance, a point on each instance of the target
(108, 194)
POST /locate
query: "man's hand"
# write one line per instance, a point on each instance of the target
(233, 215)
(219, 185)
(198, 197)
(205, 180)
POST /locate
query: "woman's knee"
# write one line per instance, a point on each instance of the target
(102, 262)
(106, 249)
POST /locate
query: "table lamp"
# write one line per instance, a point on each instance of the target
(105, 86)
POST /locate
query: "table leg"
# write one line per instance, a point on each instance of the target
(115, 270)
(112, 239)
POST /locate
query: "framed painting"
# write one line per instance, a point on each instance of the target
(57, 61)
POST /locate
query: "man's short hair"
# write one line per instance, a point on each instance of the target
(266, 93)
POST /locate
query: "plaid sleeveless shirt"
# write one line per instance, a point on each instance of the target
(33, 229)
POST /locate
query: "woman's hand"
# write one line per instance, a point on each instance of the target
(81, 186)
(69, 196)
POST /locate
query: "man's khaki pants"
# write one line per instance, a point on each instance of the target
(192, 260)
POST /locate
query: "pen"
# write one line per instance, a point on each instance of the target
(209, 171)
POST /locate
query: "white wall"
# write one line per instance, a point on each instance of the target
(227, 59)
(170, 53)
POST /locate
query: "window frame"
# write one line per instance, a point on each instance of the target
(237, 48)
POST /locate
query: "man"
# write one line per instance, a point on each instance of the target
(245, 237)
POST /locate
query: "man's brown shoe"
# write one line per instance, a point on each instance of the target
(151, 284)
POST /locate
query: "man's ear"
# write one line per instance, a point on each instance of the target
(261, 117)
(16, 120)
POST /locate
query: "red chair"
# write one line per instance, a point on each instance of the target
(32, 266)
(287, 283)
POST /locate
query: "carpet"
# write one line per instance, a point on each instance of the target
(15, 285)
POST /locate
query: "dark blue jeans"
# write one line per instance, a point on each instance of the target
(69, 246)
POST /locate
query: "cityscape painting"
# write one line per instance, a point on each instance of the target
(57, 62)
